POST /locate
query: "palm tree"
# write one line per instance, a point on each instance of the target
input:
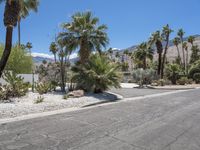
(29, 46)
(176, 42)
(185, 47)
(165, 34)
(191, 40)
(143, 52)
(54, 49)
(11, 13)
(157, 39)
(181, 34)
(126, 53)
(26, 7)
(85, 34)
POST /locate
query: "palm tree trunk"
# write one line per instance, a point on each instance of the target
(55, 58)
(145, 63)
(7, 50)
(84, 52)
(179, 56)
(164, 58)
(19, 31)
(62, 68)
(187, 62)
(184, 66)
(159, 63)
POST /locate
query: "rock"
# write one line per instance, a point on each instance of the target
(78, 93)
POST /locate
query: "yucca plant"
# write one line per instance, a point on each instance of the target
(97, 75)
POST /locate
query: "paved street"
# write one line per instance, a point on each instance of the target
(135, 92)
(169, 122)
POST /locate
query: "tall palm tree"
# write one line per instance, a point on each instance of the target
(180, 35)
(11, 13)
(54, 49)
(25, 7)
(143, 52)
(157, 39)
(176, 42)
(166, 31)
(29, 46)
(85, 34)
(185, 47)
(191, 40)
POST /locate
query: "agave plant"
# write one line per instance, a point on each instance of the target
(97, 75)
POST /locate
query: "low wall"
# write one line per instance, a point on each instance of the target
(27, 78)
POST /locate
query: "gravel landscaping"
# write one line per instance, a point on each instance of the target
(53, 101)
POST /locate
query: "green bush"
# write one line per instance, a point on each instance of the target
(161, 82)
(19, 60)
(182, 81)
(16, 85)
(43, 87)
(66, 96)
(173, 72)
(97, 75)
(197, 78)
(195, 68)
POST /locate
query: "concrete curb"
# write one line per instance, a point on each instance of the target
(61, 111)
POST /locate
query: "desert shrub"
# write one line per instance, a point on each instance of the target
(66, 96)
(172, 72)
(195, 68)
(39, 99)
(97, 75)
(43, 87)
(16, 85)
(182, 81)
(142, 76)
(5, 92)
(197, 78)
(161, 82)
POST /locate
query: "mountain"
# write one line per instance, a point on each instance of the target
(172, 52)
(134, 47)
(38, 58)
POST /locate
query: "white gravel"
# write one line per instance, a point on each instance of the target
(53, 101)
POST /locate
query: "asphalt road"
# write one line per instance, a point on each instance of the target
(169, 122)
(135, 92)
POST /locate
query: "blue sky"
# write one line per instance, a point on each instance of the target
(129, 21)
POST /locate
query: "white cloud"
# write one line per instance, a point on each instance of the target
(74, 55)
(42, 55)
(115, 49)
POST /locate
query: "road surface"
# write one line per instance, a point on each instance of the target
(170, 122)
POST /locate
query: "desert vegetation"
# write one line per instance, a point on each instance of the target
(96, 69)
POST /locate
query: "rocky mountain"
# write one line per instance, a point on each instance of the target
(172, 51)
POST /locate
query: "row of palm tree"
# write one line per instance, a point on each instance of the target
(161, 40)
(14, 11)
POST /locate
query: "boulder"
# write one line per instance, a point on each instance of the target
(78, 93)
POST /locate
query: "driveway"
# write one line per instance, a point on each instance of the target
(169, 122)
